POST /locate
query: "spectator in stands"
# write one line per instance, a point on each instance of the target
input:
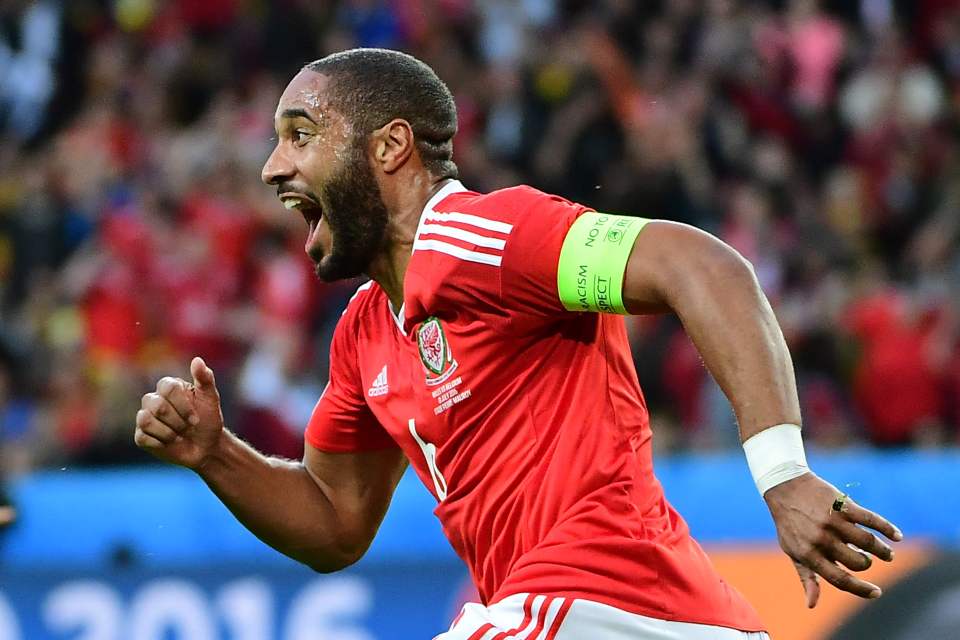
(818, 138)
(29, 48)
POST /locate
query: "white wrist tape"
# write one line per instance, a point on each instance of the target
(775, 455)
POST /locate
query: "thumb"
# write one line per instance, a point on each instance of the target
(203, 378)
(811, 585)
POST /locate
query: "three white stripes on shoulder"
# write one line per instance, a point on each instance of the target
(433, 224)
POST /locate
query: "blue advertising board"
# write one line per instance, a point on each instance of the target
(151, 554)
(236, 603)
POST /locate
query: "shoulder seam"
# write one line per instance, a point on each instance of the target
(366, 286)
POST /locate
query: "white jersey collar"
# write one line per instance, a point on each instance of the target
(454, 186)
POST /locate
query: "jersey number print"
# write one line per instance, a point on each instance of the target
(430, 453)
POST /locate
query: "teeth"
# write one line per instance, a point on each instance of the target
(291, 203)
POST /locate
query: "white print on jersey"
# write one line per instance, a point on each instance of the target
(449, 395)
(437, 224)
(439, 365)
(430, 453)
(379, 386)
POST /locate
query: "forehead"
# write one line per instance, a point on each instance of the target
(307, 91)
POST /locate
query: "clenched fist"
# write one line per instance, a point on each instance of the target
(181, 422)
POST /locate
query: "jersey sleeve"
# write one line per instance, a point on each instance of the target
(342, 421)
(563, 258)
(528, 277)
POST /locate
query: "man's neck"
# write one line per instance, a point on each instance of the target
(390, 267)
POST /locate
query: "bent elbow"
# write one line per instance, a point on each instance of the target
(332, 564)
(327, 565)
(331, 560)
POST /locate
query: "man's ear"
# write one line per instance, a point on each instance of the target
(393, 144)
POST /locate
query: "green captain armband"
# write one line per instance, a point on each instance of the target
(593, 259)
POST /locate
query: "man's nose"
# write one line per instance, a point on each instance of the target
(277, 168)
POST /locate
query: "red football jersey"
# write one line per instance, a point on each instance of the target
(525, 420)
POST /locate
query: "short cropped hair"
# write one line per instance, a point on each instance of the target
(371, 87)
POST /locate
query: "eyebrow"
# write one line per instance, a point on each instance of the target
(297, 113)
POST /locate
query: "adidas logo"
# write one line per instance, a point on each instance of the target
(379, 386)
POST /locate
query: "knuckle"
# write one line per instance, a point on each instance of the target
(860, 537)
(824, 538)
(806, 552)
(864, 539)
(867, 514)
(160, 436)
(167, 385)
(156, 404)
(840, 580)
(789, 546)
(872, 521)
(855, 559)
(871, 543)
(858, 560)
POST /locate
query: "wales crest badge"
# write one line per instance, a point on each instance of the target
(435, 354)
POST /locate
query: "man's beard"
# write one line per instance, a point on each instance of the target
(357, 216)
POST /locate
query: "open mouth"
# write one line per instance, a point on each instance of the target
(311, 211)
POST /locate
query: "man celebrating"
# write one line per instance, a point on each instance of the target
(487, 351)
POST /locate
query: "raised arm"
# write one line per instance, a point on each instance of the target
(323, 511)
(715, 293)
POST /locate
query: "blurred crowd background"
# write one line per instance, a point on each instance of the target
(818, 138)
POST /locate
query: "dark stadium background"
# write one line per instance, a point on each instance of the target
(818, 138)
